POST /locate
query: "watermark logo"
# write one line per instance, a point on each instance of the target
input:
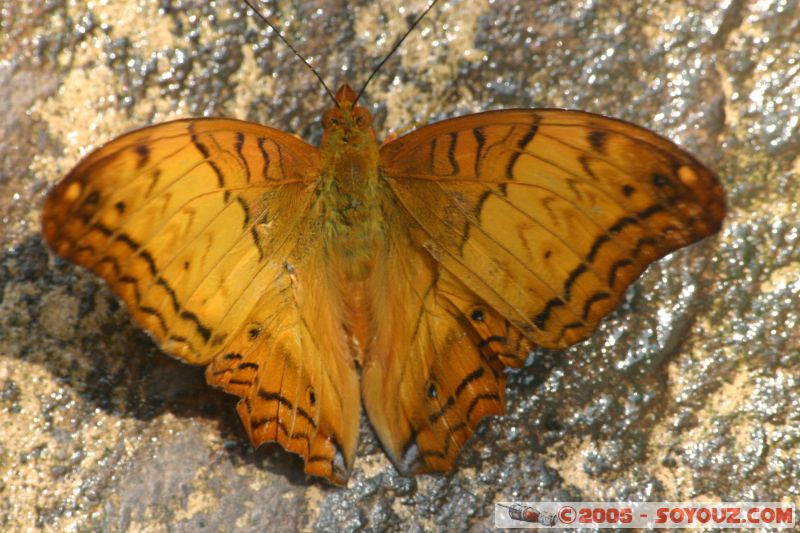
(526, 513)
(656, 515)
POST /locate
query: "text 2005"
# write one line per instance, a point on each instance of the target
(613, 515)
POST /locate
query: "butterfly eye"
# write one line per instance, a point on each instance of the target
(361, 117)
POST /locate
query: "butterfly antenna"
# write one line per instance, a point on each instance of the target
(287, 43)
(394, 49)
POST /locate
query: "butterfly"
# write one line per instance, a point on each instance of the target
(401, 278)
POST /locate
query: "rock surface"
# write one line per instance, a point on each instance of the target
(687, 392)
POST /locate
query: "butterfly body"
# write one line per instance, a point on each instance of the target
(351, 204)
(351, 189)
(402, 278)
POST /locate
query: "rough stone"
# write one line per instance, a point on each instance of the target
(687, 392)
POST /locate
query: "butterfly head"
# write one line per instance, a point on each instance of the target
(347, 123)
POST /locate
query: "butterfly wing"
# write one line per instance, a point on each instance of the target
(550, 215)
(205, 229)
(535, 221)
(434, 367)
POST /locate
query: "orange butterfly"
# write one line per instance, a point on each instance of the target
(405, 276)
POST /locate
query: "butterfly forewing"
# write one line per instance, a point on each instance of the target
(549, 215)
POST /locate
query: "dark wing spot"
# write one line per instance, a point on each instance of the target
(479, 398)
(650, 211)
(451, 153)
(312, 396)
(103, 229)
(489, 340)
(144, 154)
(542, 317)
(597, 297)
(253, 333)
(201, 329)
(173, 297)
(239, 142)
(598, 141)
(92, 199)
(641, 243)
(620, 224)
(130, 280)
(598, 242)
(469, 378)
(265, 156)
(245, 209)
(257, 241)
(220, 177)
(156, 313)
(659, 180)
(451, 401)
(480, 138)
(521, 145)
(200, 146)
(132, 244)
(612, 274)
(573, 276)
(274, 397)
(151, 263)
(431, 390)
(571, 325)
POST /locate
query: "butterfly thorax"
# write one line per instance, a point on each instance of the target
(350, 188)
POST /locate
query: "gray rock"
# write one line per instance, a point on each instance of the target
(686, 392)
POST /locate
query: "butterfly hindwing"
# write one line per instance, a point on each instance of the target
(290, 364)
(434, 368)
